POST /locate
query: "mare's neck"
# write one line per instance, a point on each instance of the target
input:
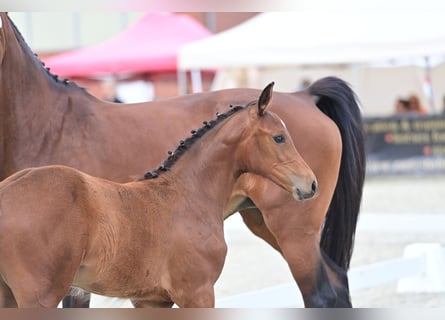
(27, 89)
(32, 104)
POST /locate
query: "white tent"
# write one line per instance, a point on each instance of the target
(327, 40)
(290, 38)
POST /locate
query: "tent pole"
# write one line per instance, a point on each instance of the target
(182, 82)
(428, 84)
(210, 19)
(196, 80)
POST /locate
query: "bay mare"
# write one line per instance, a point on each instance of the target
(45, 120)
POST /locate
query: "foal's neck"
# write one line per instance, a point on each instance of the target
(206, 172)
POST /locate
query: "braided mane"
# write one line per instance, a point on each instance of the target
(21, 39)
(186, 143)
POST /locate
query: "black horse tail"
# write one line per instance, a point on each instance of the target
(337, 100)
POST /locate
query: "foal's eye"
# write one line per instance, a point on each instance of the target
(279, 139)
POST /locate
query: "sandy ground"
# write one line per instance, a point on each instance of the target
(253, 265)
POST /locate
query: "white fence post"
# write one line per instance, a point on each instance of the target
(432, 279)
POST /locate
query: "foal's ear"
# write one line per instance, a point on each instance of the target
(264, 99)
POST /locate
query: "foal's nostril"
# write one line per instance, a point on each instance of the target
(314, 186)
(307, 195)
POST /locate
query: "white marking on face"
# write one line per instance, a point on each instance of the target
(1, 22)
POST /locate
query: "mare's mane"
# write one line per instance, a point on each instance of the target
(186, 143)
(34, 56)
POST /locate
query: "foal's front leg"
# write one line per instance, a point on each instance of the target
(202, 297)
(195, 260)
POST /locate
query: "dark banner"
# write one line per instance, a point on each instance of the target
(407, 144)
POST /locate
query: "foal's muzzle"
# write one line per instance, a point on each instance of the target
(301, 194)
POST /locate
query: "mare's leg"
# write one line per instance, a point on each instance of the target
(152, 304)
(254, 220)
(340, 283)
(293, 229)
(311, 282)
(77, 298)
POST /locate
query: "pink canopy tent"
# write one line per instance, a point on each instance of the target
(149, 45)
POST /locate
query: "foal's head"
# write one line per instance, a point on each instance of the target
(268, 150)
